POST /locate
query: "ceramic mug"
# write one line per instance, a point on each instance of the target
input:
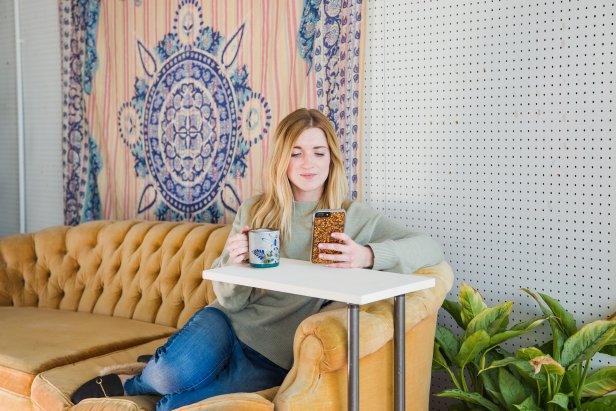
(264, 247)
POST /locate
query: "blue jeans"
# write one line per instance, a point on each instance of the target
(202, 360)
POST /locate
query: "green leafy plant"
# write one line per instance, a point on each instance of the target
(554, 376)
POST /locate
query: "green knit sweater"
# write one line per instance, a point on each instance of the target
(266, 320)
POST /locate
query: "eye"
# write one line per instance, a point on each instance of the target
(319, 154)
(296, 154)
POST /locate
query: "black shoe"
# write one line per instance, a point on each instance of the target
(99, 387)
(144, 358)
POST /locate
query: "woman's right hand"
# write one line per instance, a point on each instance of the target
(237, 246)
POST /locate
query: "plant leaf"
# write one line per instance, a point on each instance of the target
(528, 405)
(490, 384)
(546, 364)
(548, 347)
(493, 319)
(448, 342)
(601, 404)
(558, 339)
(458, 406)
(558, 336)
(455, 310)
(502, 363)
(532, 323)
(561, 400)
(587, 341)
(566, 319)
(471, 303)
(472, 397)
(521, 366)
(600, 383)
(571, 380)
(493, 355)
(610, 347)
(510, 388)
(438, 361)
(545, 310)
(471, 347)
(501, 337)
(609, 350)
(528, 353)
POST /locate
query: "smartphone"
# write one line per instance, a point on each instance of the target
(324, 223)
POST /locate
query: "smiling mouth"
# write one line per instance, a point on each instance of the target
(307, 175)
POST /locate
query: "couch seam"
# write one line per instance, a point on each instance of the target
(13, 393)
(120, 399)
(51, 385)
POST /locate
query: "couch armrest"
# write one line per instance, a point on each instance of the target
(320, 344)
(17, 255)
(258, 401)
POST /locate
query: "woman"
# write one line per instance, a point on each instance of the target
(243, 342)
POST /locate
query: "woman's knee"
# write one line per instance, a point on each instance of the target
(196, 353)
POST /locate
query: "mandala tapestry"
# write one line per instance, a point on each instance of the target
(169, 105)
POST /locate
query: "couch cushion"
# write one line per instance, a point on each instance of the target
(33, 340)
(52, 390)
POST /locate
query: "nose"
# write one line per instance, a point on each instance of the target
(306, 161)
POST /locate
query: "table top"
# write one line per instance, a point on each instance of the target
(349, 285)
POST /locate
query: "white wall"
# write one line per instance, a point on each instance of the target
(42, 101)
(490, 125)
(42, 111)
(9, 172)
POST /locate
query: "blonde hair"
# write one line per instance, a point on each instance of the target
(274, 207)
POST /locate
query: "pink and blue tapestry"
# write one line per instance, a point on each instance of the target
(168, 106)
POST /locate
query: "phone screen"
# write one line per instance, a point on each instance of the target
(324, 223)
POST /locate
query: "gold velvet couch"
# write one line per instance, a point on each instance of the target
(75, 300)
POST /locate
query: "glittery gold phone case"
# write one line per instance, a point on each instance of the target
(324, 223)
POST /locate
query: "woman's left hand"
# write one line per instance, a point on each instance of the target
(352, 255)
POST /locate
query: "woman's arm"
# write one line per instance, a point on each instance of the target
(230, 296)
(374, 241)
(400, 250)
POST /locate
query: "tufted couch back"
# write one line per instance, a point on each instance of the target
(144, 270)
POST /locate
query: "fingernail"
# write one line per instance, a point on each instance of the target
(320, 245)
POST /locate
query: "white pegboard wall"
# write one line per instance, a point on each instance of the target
(489, 124)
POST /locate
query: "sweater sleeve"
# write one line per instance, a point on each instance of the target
(231, 296)
(398, 249)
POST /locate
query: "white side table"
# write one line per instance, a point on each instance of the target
(353, 286)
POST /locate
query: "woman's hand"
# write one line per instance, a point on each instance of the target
(237, 246)
(352, 255)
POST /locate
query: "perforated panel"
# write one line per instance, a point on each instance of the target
(489, 124)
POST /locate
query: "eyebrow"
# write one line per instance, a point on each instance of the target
(316, 147)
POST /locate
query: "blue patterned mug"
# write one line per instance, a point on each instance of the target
(264, 247)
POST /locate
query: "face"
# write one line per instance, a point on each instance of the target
(309, 165)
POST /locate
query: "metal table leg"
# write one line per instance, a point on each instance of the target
(353, 357)
(399, 363)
